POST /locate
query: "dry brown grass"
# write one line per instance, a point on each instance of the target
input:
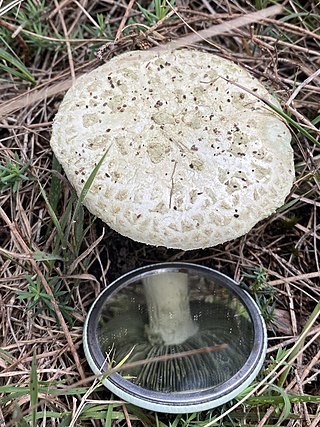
(285, 55)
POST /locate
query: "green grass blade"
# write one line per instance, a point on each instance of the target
(7, 389)
(316, 120)
(70, 392)
(18, 417)
(123, 361)
(108, 420)
(21, 71)
(293, 123)
(13, 389)
(277, 400)
(176, 421)
(34, 389)
(309, 322)
(286, 403)
(90, 180)
(43, 256)
(147, 419)
(55, 189)
(67, 215)
(54, 218)
(12, 71)
(86, 189)
(47, 414)
(149, 16)
(79, 229)
(278, 111)
(5, 356)
(65, 422)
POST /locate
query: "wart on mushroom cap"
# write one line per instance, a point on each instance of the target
(194, 160)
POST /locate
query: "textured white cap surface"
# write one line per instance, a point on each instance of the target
(193, 160)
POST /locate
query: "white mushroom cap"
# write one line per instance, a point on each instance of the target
(193, 160)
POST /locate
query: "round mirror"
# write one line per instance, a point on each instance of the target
(190, 337)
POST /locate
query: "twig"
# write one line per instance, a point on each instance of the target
(315, 421)
(40, 92)
(290, 341)
(9, 6)
(124, 20)
(126, 415)
(300, 117)
(2, 421)
(295, 278)
(289, 45)
(88, 16)
(58, 7)
(302, 85)
(209, 7)
(65, 32)
(297, 30)
(165, 358)
(142, 362)
(226, 27)
(266, 416)
(292, 310)
(84, 254)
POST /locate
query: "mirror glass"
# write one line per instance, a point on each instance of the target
(191, 332)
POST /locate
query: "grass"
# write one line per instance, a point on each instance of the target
(13, 65)
(55, 257)
(12, 173)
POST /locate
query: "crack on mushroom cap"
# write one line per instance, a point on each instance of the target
(228, 155)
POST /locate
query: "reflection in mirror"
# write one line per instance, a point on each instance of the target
(168, 313)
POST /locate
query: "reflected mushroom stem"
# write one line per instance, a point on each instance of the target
(170, 320)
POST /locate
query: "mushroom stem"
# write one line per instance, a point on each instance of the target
(170, 320)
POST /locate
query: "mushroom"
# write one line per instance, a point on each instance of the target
(193, 160)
